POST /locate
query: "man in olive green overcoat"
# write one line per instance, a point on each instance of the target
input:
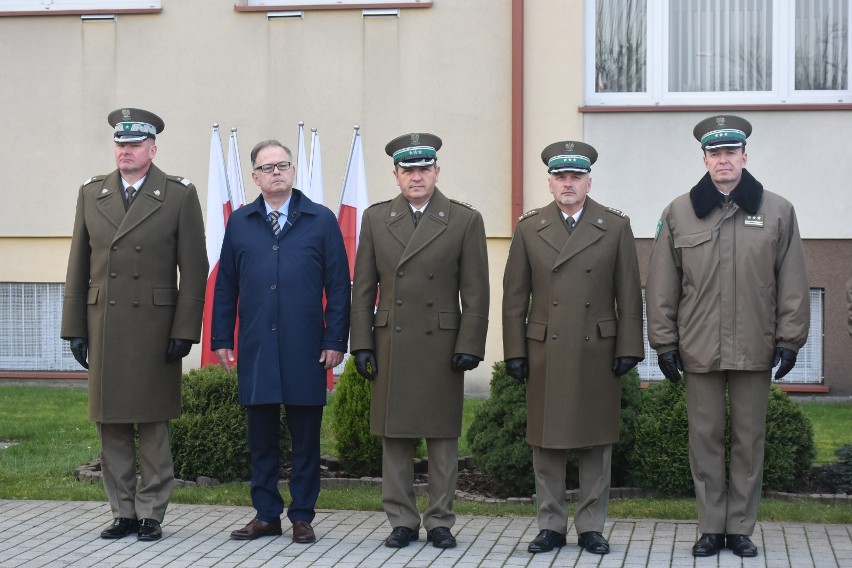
(572, 325)
(425, 256)
(127, 319)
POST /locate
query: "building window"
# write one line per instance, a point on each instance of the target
(679, 52)
(30, 326)
(808, 369)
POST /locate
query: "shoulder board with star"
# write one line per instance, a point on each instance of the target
(181, 180)
(463, 204)
(616, 212)
(380, 203)
(528, 214)
(93, 179)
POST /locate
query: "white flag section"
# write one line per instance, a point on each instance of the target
(315, 190)
(301, 161)
(235, 173)
(353, 200)
(218, 211)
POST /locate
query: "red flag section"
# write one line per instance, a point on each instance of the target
(353, 201)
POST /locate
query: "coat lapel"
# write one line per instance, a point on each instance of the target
(150, 198)
(433, 223)
(109, 199)
(589, 230)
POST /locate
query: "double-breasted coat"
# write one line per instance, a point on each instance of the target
(432, 286)
(572, 305)
(122, 292)
(280, 283)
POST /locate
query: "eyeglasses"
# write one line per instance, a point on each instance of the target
(269, 168)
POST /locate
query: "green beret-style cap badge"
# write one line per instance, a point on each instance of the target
(414, 149)
(722, 131)
(134, 124)
(569, 156)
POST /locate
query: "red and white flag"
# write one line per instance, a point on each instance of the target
(301, 162)
(218, 211)
(315, 189)
(235, 173)
(353, 200)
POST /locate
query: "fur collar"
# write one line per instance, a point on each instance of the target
(705, 197)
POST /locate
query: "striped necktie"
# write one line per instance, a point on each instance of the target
(131, 194)
(273, 220)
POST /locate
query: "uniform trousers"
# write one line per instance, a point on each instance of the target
(595, 477)
(398, 497)
(264, 440)
(149, 497)
(727, 503)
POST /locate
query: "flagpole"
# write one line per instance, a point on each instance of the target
(311, 159)
(348, 163)
(236, 148)
(221, 151)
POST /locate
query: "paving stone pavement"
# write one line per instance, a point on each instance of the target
(64, 533)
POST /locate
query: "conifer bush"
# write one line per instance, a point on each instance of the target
(210, 437)
(359, 452)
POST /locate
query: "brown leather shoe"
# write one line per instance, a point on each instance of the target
(256, 529)
(303, 532)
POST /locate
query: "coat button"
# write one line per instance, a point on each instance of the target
(274, 327)
(136, 277)
(430, 276)
(428, 332)
(399, 302)
(274, 247)
(587, 338)
(554, 336)
(112, 274)
(135, 304)
(555, 302)
(273, 287)
(400, 273)
(115, 247)
(138, 248)
(588, 304)
(588, 270)
(555, 270)
(112, 302)
(430, 304)
(398, 328)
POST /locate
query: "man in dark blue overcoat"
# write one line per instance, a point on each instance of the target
(279, 255)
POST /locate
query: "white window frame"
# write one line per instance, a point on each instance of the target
(657, 34)
(77, 6)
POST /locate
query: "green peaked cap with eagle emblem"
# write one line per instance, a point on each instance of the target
(722, 131)
(569, 156)
(416, 149)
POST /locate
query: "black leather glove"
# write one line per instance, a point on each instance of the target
(80, 350)
(518, 368)
(622, 365)
(178, 349)
(671, 365)
(465, 362)
(787, 358)
(365, 363)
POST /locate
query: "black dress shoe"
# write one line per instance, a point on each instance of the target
(593, 542)
(149, 529)
(120, 528)
(742, 545)
(441, 537)
(546, 541)
(401, 536)
(709, 544)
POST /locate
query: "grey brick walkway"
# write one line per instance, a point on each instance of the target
(61, 533)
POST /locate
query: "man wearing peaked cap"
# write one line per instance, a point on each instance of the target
(727, 300)
(572, 325)
(128, 320)
(426, 253)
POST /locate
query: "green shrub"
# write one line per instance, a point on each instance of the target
(497, 435)
(836, 477)
(661, 455)
(790, 448)
(210, 437)
(359, 452)
(660, 458)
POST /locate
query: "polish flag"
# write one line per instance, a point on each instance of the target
(218, 211)
(353, 200)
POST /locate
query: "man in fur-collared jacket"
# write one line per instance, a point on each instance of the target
(727, 300)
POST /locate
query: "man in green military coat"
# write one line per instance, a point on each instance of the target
(425, 257)
(572, 325)
(127, 319)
